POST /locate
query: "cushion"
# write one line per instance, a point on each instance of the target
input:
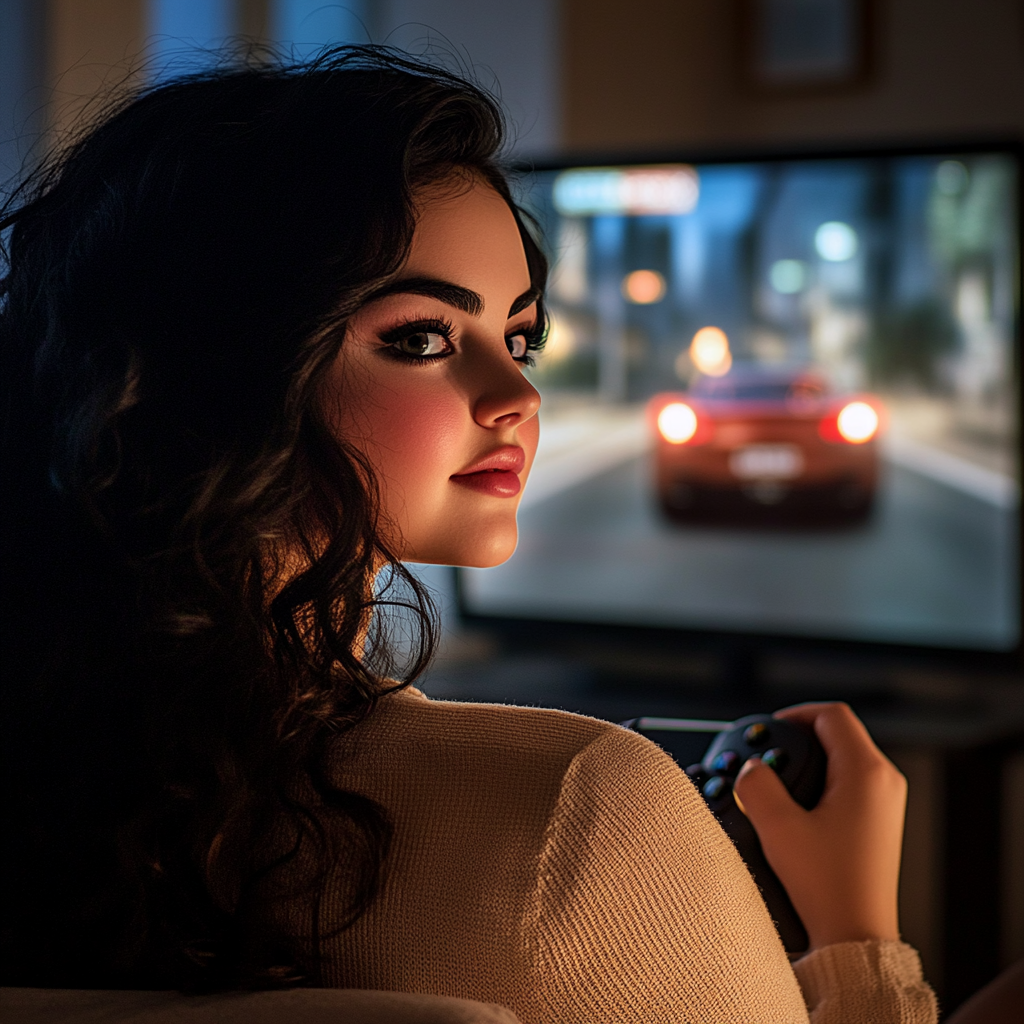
(295, 1006)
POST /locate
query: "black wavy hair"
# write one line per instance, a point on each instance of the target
(189, 557)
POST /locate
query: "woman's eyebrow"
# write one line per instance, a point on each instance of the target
(528, 298)
(434, 288)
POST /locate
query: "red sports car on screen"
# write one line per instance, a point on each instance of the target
(766, 443)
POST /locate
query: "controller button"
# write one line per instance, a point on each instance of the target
(716, 787)
(776, 758)
(695, 770)
(726, 761)
(757, 734)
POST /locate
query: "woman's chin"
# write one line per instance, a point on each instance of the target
(480, 552)
(487, 561)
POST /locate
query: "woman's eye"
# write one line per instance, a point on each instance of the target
(517, 346)
(423, 343)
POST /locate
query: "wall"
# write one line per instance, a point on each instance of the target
(667, 73)
(512, 45)
(92, 46)
(661, 74)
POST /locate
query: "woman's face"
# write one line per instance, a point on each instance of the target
(429, 383)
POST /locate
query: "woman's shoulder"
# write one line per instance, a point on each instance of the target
(494, 748)
(535, 733)
(562, 865)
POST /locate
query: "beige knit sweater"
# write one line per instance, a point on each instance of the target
(566, 868)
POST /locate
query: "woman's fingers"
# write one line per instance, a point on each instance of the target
(764, 799)
(843, 735)
(806, 713)
(858, 771)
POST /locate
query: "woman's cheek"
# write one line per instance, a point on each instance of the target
(418, 438)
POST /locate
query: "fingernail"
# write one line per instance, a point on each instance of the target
(748, 766)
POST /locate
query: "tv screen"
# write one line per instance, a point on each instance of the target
(780, 397)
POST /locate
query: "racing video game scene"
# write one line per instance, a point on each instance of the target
(778, 397)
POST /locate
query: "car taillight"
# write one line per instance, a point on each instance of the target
(677, 423)
(855, 423)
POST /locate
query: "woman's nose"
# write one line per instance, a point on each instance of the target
(506, 399)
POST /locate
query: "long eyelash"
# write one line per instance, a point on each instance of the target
(395, 334)
(536, 336)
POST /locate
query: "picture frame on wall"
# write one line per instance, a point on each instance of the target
(806, 45)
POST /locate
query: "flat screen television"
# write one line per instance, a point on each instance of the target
(781, 398)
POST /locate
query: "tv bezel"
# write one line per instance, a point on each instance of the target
(570, 633)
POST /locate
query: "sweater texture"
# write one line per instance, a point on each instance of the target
(566, 868)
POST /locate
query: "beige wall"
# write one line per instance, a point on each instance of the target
(92, 46)
(667, 73)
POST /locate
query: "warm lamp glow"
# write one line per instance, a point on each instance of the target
(561, 342)
(710, 353)
(677, 422)
(643, 287)
(857, 422)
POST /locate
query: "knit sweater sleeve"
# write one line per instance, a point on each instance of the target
(866, 981)
(643, 910)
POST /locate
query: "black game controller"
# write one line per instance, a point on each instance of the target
(799, 758)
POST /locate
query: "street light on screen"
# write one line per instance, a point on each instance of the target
(710, 353)
(835, 241)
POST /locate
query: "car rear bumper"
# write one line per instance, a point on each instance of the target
(849, 497)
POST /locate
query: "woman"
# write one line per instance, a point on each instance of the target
(263, 338)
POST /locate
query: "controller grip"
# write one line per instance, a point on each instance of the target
(796, 754)
(793, 751)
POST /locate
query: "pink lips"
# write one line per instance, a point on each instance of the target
(497, 474)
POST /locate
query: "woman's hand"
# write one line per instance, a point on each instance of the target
(839, 862)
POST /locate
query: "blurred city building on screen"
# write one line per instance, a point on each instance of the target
(834, 340)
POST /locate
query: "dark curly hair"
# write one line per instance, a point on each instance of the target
(195, 592)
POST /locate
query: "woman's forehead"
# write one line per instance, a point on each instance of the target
(470, 237)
